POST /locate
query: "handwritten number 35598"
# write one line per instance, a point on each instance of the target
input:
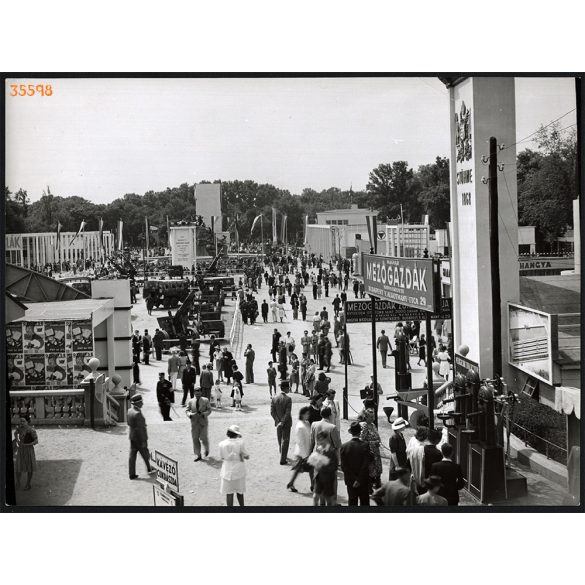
(30, 90)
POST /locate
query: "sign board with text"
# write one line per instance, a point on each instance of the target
(463, 365)
(167, 470)
(361, 312)
(164, 498)
(406, 281)
(532, 341)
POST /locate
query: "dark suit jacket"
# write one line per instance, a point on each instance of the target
(452, 478)
(280, 409)
(432, 455)
(355, 458)
(137, 427)
(189, 377)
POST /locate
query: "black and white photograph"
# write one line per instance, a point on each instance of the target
(293, 291)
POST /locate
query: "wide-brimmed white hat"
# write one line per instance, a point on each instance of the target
(235, 429)
(399, 423)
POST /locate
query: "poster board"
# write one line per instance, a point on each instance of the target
(532, 341)
(44, 354)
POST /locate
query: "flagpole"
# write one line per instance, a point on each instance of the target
(262, 234)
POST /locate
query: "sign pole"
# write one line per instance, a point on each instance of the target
(495, 259)
(345, 360)
(430, 385)
(375, 363)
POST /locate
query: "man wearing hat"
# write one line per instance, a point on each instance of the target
(198, 410)
(280, 410)
(398, 456)
(397, 492)
(164, 396)
(138, 436)
(431, 497)
(355, 458)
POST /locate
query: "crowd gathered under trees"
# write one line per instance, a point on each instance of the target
(546, 188)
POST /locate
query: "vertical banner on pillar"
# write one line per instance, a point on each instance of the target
(274, 227)
(481, 108)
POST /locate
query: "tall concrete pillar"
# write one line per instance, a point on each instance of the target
(577, 236)
(482, 107)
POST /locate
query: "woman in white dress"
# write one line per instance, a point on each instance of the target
(233, 470)
(444, 359)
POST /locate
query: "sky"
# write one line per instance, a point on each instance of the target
(103, 138)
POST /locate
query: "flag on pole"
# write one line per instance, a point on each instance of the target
(168, 232)
(146, 232)
(306, 224)
(120, 238)
(283, 228)
(59, 226)
(101, 234)
(274, 227)
(254, 223)
(79, 232)
(375, 233)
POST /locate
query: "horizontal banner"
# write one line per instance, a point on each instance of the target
(361, 312)
(406, 281)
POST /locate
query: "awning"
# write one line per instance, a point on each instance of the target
(568, 400)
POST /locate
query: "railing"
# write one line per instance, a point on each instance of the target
(63, 407)
(535, 444)
(111, 406)
(236, 331)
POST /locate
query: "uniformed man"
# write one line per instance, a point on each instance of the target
(138, 436)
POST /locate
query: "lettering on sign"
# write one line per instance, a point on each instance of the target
(162, 498)
(404, 281)
(463, 365)
(13, 242)
(167, 469)
(386, 311)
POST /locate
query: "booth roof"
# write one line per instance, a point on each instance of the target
(67, 310)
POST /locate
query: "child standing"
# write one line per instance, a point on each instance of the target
(237, 396)
(217, 393)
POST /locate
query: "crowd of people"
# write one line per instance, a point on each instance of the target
(301, 366)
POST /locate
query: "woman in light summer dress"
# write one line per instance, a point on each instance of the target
(233, 470)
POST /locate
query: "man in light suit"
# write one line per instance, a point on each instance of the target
(280, 410)
(198, 410)
(327, 426)
(138, 436)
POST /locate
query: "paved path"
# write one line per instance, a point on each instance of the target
(78, 466)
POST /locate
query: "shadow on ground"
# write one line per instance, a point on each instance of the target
(53, 483)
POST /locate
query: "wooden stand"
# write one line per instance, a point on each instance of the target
(486, 473)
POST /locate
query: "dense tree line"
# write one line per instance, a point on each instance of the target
(546, 188)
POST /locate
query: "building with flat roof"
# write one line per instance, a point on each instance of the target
(352, 216)
(40, 249)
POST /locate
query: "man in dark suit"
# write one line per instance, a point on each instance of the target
(450, 474)
(138, 436)
(275, 344)
(188, 380)
(355, 458)
(164, 396)
(280, 410)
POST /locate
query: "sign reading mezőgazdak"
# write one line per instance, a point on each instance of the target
(406, 281)
(360, 311)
